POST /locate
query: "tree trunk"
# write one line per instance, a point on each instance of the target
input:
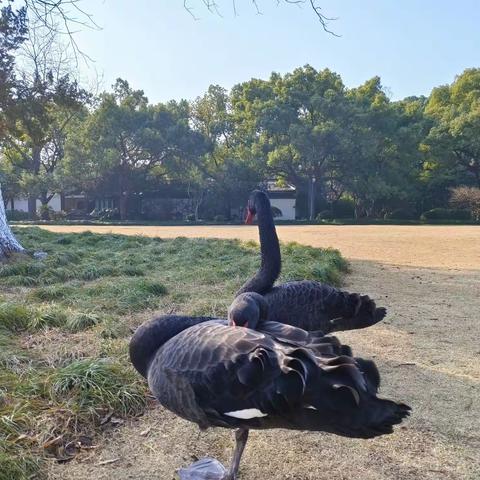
(44, 213)
(197, 208)
(123, 205)
(8, 242)
(311, 198)
(32, 207)
(32, 199)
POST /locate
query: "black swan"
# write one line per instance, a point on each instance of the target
(277, 376)
(307, 304)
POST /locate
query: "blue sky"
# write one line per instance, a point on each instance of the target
(414, 45)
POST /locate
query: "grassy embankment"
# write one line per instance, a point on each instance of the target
(65, 323)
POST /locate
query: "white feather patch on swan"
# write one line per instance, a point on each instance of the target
(246, 414)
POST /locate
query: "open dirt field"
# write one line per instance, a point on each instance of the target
(427, 349)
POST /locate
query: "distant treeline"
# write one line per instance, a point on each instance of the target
(349, 152)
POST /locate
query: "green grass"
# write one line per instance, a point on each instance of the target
(65, 323)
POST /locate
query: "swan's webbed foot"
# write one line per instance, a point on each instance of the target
(204, 469)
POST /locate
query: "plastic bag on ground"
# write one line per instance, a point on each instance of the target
(203, 469)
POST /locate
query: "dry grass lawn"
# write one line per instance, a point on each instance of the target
(428, 351)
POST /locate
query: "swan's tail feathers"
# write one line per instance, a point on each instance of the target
(371, 374)
(387, 414)
(342, 400)
(362, 312)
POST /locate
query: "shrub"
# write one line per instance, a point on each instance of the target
(343, 208)
(46, 212)
(325, 215)
(400, 214)
(16, 215)
(446, 214)
(219, 218)
(467, 197)
(106, 214)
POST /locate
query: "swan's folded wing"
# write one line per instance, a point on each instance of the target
(232, 375)
(217, 375)
(316, 341)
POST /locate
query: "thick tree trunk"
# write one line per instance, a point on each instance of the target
(8, 242)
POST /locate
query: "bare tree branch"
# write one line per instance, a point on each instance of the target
(213, 7)
(64, 17)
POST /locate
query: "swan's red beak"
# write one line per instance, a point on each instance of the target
(250, 217)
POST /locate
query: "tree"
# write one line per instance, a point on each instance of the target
(380, 161)
(13, 29)
(453, 143)
(47, 101)
(8, 242)
(126, 138)
(12, 34)
(296, 123)
(467, 197)
(227, 169)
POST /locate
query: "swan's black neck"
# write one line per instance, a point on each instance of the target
(271, 262)
(150, 336)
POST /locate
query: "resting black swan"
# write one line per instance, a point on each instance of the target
(277, 376)
(306, 304)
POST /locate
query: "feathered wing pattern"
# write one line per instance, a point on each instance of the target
(237, 377)
(312, 305)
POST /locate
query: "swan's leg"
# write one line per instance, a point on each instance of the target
(241, 437)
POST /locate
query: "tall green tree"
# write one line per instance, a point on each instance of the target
(380, 163)
(47, 101)
(228, 170)
(125, 138)
(453, 143)
(296, 122)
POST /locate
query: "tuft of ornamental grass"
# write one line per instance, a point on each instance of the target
(15, 464)
(44, 317)
(80, 321)
(11, 358)
(94, 386)
(52, 293)
(14, 316)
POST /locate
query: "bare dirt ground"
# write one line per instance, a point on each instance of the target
(427, 349)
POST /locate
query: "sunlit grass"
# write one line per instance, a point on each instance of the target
(65, 323)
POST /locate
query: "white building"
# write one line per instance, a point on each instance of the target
(283, 198)
(21, 204)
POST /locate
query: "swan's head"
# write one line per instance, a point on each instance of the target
(256, 201)
(247, 310)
